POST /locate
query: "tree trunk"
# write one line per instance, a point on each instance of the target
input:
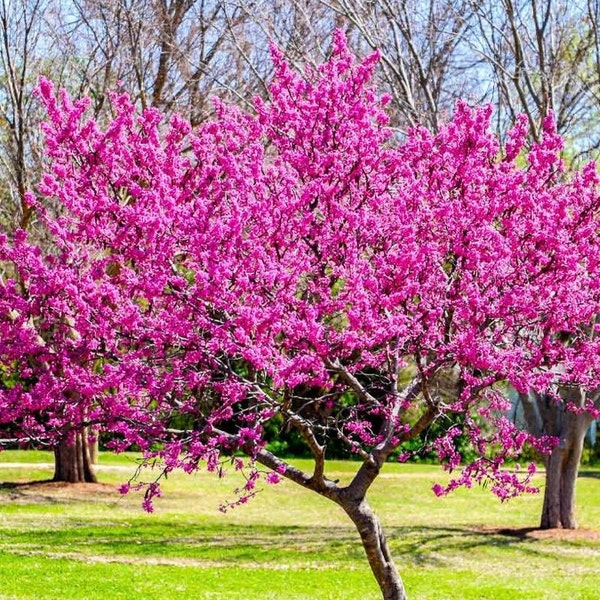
(568, 421)
(94, 448)
(376, 548)
(562, 467)
(350, 498)
(72, 461)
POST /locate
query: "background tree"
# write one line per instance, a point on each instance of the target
(425, 63)
(541, 57)
(22, 35)
(179, 55)
(25, 52)
(545, 416)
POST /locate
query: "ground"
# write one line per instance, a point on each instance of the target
(68, 542)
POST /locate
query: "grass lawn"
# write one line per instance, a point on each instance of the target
(60, 542)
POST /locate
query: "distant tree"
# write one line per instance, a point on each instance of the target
(22, 34)
(172, 55)
(543, 57)
(25, 52)
(295, 264)
(545, 416)
(426, 60)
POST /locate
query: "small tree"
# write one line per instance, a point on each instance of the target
(300, 264)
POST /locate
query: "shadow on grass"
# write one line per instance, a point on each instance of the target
(426, 546)
(15, 485)
(48, 491)
(521, 533)
(144, 539)
(122, 536)
(29, 491)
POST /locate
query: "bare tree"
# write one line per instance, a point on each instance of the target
(425, 62)
(540, 57)
(22, 56)
(174, 55)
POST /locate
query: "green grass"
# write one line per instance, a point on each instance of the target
(56, 543)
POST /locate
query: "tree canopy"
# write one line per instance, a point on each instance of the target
(297, 261)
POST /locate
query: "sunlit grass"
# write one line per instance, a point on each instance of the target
(56, 542)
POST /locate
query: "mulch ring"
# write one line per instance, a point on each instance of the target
(53, 491)
(533, 533)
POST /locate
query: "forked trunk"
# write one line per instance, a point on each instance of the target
(351, 499)
(72, 461)
(377, 550)
(562, 467)
(568, 421)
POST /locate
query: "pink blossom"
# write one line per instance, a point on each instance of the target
(273, 478)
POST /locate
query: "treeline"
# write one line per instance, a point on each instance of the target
(520, 55)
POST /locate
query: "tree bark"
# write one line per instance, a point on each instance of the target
(562, 467)
(94, 448)
(352, 500)
(376, 549)
(72, 461)
(568, 421)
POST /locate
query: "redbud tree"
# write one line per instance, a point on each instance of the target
(300, 265)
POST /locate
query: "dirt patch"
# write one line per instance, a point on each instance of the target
(77, 489)
(54, 491)
(532, 533)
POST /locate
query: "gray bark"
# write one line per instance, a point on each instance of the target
(376, 548)
(562, 467)
(547, 416)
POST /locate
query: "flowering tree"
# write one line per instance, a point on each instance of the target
(300, 264)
